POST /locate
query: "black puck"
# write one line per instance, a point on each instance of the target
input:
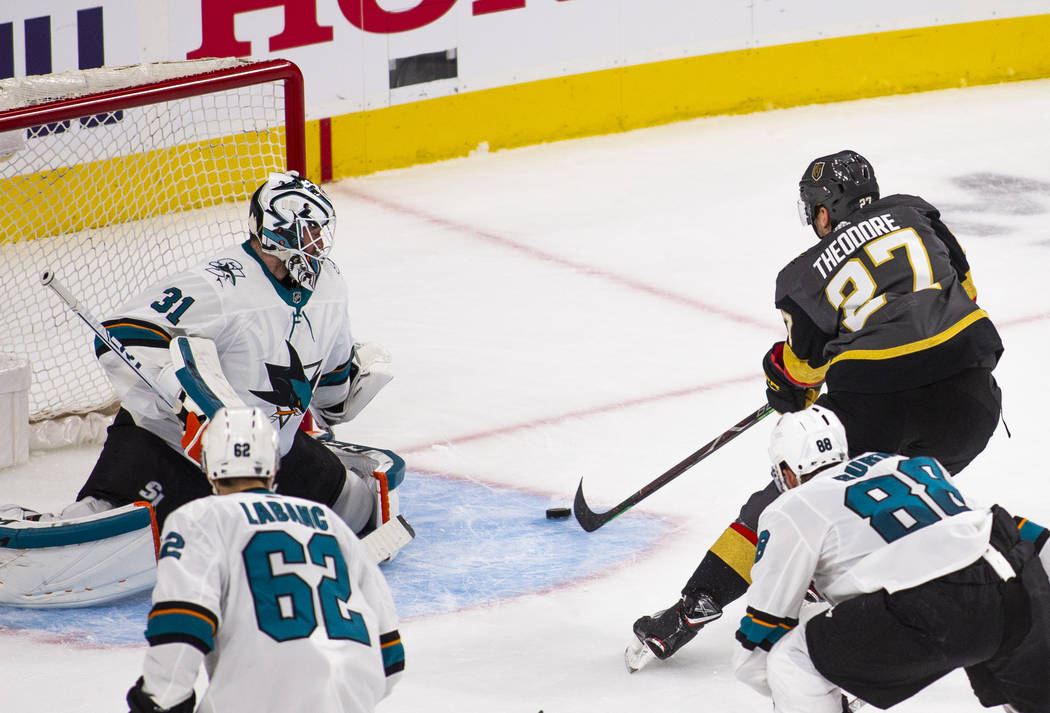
(558, 513)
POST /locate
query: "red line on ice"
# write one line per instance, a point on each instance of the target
(583, 413)
(532, 252)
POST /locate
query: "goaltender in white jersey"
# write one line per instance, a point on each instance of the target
(921, 581)
(262, 324)
(251, 582)
(280, 347)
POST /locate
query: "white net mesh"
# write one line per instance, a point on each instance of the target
(111, 202)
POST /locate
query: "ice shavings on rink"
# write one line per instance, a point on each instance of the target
(475, 544)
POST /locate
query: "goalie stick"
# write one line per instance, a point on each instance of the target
(591, 521)
(47, 279)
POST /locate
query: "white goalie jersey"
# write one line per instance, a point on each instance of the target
(280, 599)
(279, 347)
(875, 522)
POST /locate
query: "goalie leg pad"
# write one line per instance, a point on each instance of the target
(365, 460)
(381, 471)
(356, 505)
(384, 470)
(387, 540)
(78, 562)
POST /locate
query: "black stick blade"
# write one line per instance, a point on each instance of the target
(588, 519)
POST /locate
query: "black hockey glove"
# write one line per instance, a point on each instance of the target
(782, 393)
(140, 702)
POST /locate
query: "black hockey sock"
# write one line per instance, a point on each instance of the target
(725, 572)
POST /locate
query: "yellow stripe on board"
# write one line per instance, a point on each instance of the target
(620, 99)
(820, 71)
(129, 188)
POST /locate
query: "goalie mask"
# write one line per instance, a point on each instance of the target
(806, 441)
(240, 443)
(293, 219)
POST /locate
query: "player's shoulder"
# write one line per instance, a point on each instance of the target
(331, 285)
(903, 202)
(192, 514)
(797, 272)
(231, 268)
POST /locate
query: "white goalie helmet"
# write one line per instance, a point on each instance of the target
(293, 219)
(240, 443)
(806, 440)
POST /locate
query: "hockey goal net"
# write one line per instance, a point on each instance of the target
(111, 178)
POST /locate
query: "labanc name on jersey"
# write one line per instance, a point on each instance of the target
(266, 511)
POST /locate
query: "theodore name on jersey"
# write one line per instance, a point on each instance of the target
(851, 240)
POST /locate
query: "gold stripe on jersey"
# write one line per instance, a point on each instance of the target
(800, 371)
(913, 347)
(967, 284)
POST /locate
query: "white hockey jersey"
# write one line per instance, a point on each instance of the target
(279, 347)
(287, 604)
(878, 521)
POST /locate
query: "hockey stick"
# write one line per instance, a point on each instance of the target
(591, 521)
(47, 279)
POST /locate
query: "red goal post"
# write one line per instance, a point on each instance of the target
(113, 177)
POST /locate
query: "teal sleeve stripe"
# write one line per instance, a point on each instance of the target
(1033, 533)
(337, 376)
(171, 626)
(393, 652)
(133, 334)
(762, 631)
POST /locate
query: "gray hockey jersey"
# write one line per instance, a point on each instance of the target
(883, 303)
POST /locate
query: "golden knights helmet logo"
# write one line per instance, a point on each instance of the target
(817, 171)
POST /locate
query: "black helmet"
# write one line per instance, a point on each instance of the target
(841, 182)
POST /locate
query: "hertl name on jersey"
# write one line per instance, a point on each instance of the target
(851, 239)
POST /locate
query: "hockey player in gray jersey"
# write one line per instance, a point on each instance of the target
(882, 311)
(263, 323)
(920, 579)
(250, 582)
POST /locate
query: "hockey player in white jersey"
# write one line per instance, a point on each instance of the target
(251, 582)
(267, 325)
(264, 323)
(920, 581)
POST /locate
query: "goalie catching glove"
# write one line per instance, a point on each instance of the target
(369, 372)
(782, 392)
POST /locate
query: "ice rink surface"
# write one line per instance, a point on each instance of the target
(599, 308)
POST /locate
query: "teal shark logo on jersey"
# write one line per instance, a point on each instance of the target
(292, 388)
